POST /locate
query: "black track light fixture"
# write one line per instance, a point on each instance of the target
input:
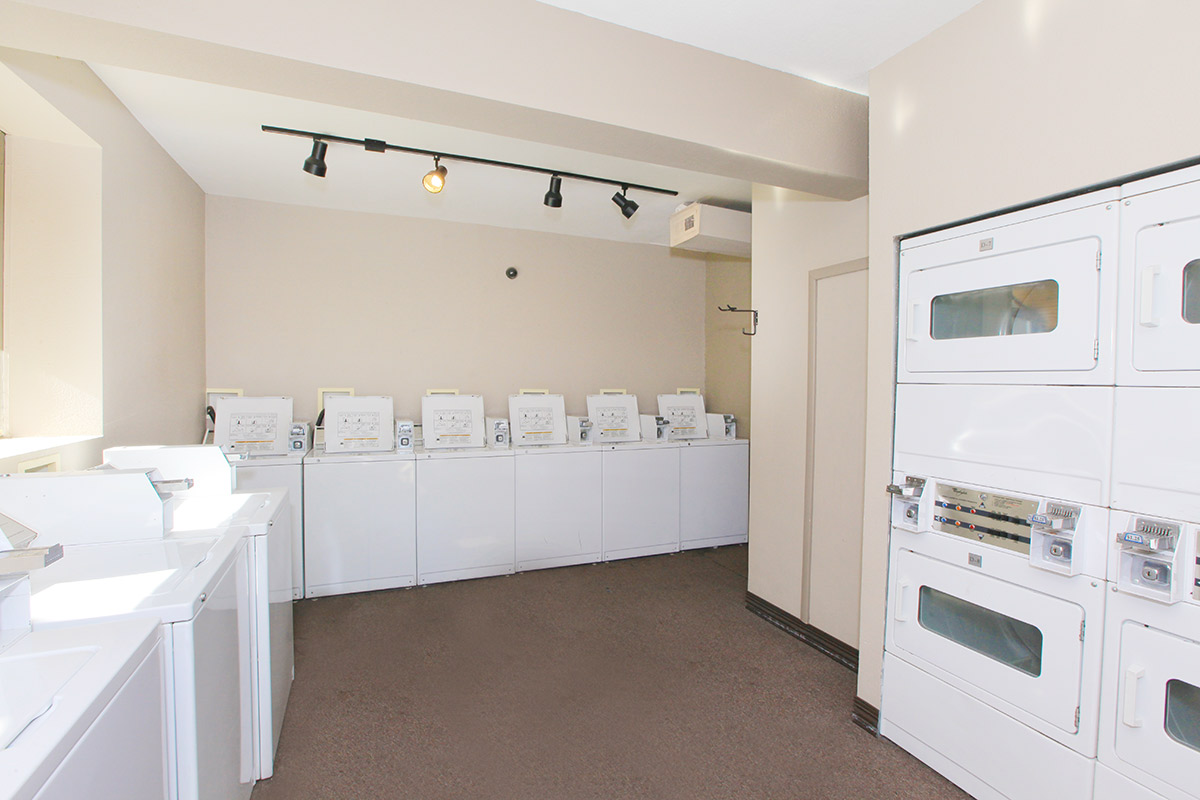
(315, 164)
(554, 196)
(435, 180)
(627, 206)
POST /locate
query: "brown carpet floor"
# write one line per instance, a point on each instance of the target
(645, 678)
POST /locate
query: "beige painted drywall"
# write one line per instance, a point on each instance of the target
(300, 298)
(609, 89)
(793, 234)
(52, 320)
(152, 267)
(1012, 101)
(726, 350)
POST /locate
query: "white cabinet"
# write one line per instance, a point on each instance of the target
(360, 522)
(640, 510)
(465, 514)
(557, 506)
(714, 492)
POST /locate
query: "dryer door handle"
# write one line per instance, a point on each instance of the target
(900, 612)
(914, 322)
(1146, 316)
(1129, 701)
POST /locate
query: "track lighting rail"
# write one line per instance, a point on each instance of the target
(379, 146)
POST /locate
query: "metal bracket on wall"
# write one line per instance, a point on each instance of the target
(753, 322)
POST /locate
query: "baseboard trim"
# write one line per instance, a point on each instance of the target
(865, 716)
(815, 638)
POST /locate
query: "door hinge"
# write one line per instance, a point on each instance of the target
(1099, 257)
(1095, 350)
(1082, 629)
(1076, 717)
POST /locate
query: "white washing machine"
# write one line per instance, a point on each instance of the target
(557, 506)
(466, 514)
(265, 518)
(81, 708)
(198, 589)
(640, 501)
(81, 714)
(360, 522)
(257, 473)
(714, 492)
(1150, 711)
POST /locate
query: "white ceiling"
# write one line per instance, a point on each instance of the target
(214, 132)
(835, 42)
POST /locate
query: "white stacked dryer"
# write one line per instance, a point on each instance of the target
(1150, 726)
(1004, 406)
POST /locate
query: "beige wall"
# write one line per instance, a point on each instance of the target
(1008, 103)
(152, 262)
(793, 234)
(52, 321)
(726, 350)
(300, 298)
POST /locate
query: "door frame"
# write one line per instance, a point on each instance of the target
(834, 271)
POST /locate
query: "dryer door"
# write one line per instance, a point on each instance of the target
(997, 639)
(1030, 311)
(1160, 295)
(1158, 705)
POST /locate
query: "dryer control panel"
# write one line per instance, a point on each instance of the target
(994, 519)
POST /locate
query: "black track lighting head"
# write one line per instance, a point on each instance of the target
(315, 164)
(554, 196)
(628, 207)
(435, 180)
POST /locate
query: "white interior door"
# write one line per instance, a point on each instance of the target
(1158, 705)
(1018, 645)
(837, 420)
(1166, 296)
(1033, 310)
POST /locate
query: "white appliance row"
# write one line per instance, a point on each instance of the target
(1047, 490)
(211, 569)
(385, 520)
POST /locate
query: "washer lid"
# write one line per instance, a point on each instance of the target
(163, 579)
(29, 684)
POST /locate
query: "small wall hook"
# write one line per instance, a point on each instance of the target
(753, 320)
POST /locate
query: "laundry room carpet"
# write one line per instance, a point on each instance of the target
(645, 678)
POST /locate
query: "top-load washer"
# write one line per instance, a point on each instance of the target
(197, 587)
(1025, 297)
(265, 518)
(81, 707)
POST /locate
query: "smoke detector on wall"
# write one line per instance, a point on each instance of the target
(711, 229)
